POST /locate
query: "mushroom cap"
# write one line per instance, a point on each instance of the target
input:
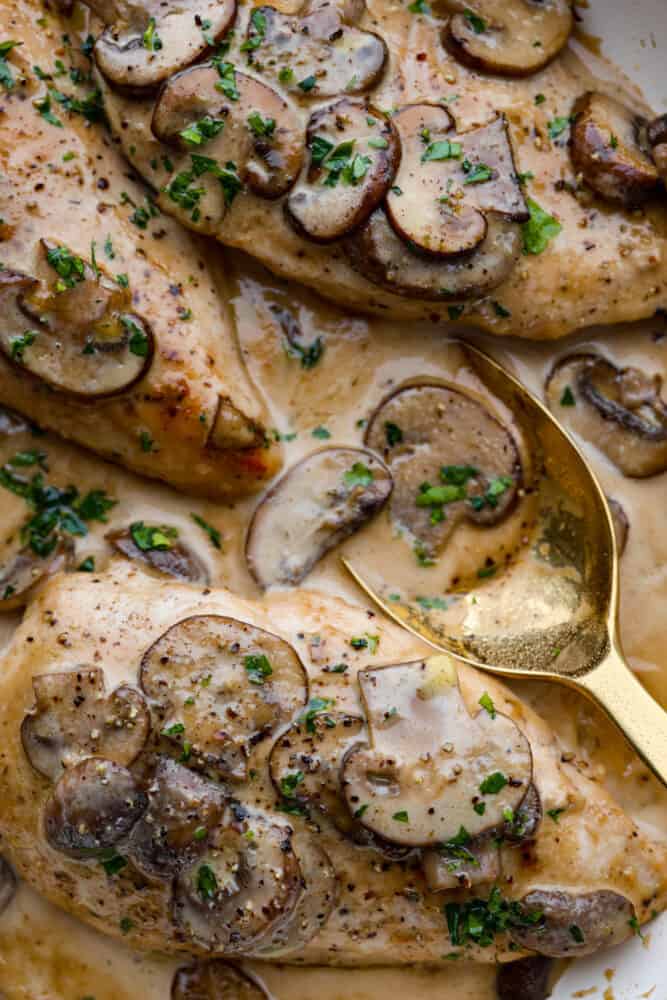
(177, 560)
(317, 53)
(656, 134)
(509, 37)
(214, 980)
(429, 761)
(384, 259)
(73, 718)
(454, 461)
(448, 181)
(316, 505)
(221, 686)
(574, 924)
(527, 979)
(619, 410)
(354, 154)
(606, 149)
(25, 570)
(149, 42)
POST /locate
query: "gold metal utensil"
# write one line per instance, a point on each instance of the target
(553, 613)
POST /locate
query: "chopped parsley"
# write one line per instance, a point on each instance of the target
(6, 75)
(17, 345)
(69, 268)
(176, 730)
(358, 813)
(500, 310)
(290, 783)
(555, 814)
(432, 603)
(478, 173)
(540, 229)
(307, 84)
(539, 99)
(576, 933)
(212, 532)
(493, 783)
(366, 641)
(480, 808)
(419, 7)
(487, 704)
(261, 127)
(557, 126)
(150, 537)
(567, 397)
(401, 816)
(257, 668)
(146, 441)
(202, 131)
(207, 883)
(126, 925)
(478, 24)
(286, 74)
(339, 163)
(138, 342)
(257, 31)
(477, 921)
(393, 433)
(227, 82)
(315, 708)
(114, 864)
(87, 566)
(150, 38)
(442, 150)
(358, 475)
(321, 432)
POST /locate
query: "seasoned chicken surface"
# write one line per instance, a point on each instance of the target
(384, 165)
(176, 768)
(115, 331)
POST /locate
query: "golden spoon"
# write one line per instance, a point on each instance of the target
(554, 612)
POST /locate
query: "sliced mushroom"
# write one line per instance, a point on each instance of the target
(574, 925)
(26, 569)
(12, 423)
(619, 410)
(314, 907)
(453, 461)
(244, 134)
(510, 37)
(621, 524)
(232, 429)
(146, 42)
(170, 556)
(656, 132)
(214, 980)
(7, 885)
(242, 889)
(429, 763)
(522, 825)
(321, 501)
(449, 181)
(376, 252)
(74, 718)
(182, 810)
(318, 52)
(607, 149)
(73, 329)
(221, 686)
(94, 805)
(527, 979)
(468, 862)
(354, 154)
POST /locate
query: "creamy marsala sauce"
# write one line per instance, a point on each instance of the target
(46, 955)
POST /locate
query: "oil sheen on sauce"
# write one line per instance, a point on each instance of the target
(46, 955)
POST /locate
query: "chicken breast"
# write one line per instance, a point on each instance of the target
(171, 768)
(484, 218)
(115, 333)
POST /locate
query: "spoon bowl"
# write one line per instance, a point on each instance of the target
(553, 611)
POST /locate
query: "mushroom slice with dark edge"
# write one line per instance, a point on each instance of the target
(183, 808)
(451, 461)
(527, 979)
(214, 980)
(321, 501)
(429, 762)
(656, 133)
(221, 686)
(509, 37)
(462, 863)
(74, 718)
(384, 259)
(73, 329)
(93, 806)
(159, 549)
(448, 181)
(608, 150)
(148, 42)
(619, 410)
(7, 885)
(318, 52)
(354, 154)
(314, 907)
(234, 131)
(572, 925)
(242, 888)
(26, 569)
(621, 524)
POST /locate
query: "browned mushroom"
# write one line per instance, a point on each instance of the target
(656, 133)
(450, 458)
(607, 148)
(510, 37)
(462, 863)
(233, 429)
(527, 979)
(221, 686)
(93, 806)
(376, 252)
(573, 925)
(214, 980)
(146, 42)
(354, 153)
(73, 329)
(315, 506)
(182, 810)
(619, 410)
(521, 825)
(235, 131)
(243, 888)
(25, 570)
(430, 765)
(318, 52)
(74, 718)
(621, 524)
(158, 547)
(449, 181)
(7, 885)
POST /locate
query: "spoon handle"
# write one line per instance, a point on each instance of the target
(629, 705)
